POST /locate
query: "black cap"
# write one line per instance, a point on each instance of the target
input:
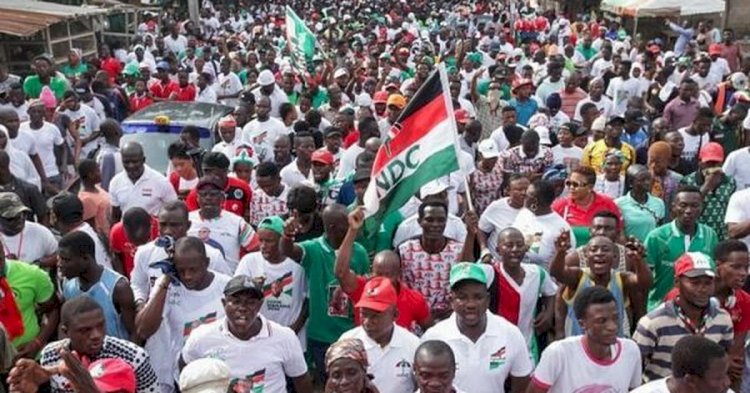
(362, 174)
(635, 116)
(616, 119)
(574, 128)
(243, 283)
(66, 206)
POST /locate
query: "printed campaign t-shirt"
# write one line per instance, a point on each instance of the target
(429, 273)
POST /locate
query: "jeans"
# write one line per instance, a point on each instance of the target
(318, 351)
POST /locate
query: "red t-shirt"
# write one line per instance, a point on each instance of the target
(740, 311)
(161, 90)
(138, 103)
(577, 216)
(238, 197)
(120, 243)
(186, 93)
(351, 138)
(411, 305)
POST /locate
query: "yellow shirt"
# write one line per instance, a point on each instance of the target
(594, 153)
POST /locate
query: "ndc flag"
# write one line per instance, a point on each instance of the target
(421, 147)
(301, 41)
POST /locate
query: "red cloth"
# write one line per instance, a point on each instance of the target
(577, 216)
(10, 314)
(138, 103)
(120, 243)
(186, 94)
(351, 138)
(740, 312)
(238, 197)
(161, 90)
(510, 305)
(411, 305)
(112, 66)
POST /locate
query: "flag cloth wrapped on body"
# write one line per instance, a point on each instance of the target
(421, 147)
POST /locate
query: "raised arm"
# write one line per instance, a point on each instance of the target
(640, 279)
(287, 245)
(567, 275)
(347, 278)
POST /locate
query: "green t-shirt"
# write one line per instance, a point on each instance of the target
(31, 286)
(319, 98)
(384, 238)
(293, 98)
(663, 246)
(74, 72)
(331, 311)
(32, 86)
(484, 87)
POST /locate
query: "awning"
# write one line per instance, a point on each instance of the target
(23, 18)
(655, 8)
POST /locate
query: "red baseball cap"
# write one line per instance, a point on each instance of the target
(380, 97)
(113, 375)
(694, 264)
(378, 295)
(712, 152)
(323, 156)
(523, 82)
(462, 116)
(714, 49)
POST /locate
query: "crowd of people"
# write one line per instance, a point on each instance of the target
(594, 238)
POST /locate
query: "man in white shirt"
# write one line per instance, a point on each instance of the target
(175, 42)
(368, 128)
(138, 185)
(182, 300)
(596, 360)
(227, 85)
(85, 120)
(243, 332)
(263, 130)
(622, 88)
(390, 348)
(435, 368)
(268, 88)
(501, 213)
(230, 142)
(220, 228)
(735, 165)
(24, 240)
(596, 96)
(299, 171)
(699, 365)
(737, 216)
(719, 67)
(455, 228)
(47, 141)
(489, 349)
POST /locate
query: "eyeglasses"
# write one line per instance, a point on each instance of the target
(574, 184)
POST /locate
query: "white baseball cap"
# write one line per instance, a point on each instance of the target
(340, 72)
(488, 149)
(206, 375)
(266, 78)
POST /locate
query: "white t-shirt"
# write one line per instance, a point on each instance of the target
(348, 161)
(45, 140)
(292, 176)
(693, 144)
(24, 141)
(184, 311)
(89, 123)
(486, 364)
(391, 366)
(604, 105)
(536, 283)
(284, 288)
(143, 277)
(277, 98)
(278, 354)
(227, 85)
(228, 232)
(252, 133)
(658, 386)
(566, 366)
(34, 242)
(600, 66)
(569, 156)
(176, 45)
(409, 228)
(150, 191)
(496, 217)
(738, 210)
(501, 140)
(735, 166)
(540, 233)
(621, 91)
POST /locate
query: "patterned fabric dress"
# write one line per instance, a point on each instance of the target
(715, 203)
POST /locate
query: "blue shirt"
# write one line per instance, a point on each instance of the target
(102, 292)
(524, 109)
(636, 140)
(684, 35)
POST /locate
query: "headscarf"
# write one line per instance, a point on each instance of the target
(613, 153)
(555, 173)
(349, 348)
(48, 98)
(244, 155)
(660, 149)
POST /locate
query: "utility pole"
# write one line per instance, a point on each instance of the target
(193, 8)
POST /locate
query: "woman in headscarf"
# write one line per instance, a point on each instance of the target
(20, 164)
(346, 368)
(75, 66)
(665, 180)
(610, 182)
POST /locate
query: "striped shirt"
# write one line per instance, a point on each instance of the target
(659, 331)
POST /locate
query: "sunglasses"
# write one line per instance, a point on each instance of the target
(574, 184)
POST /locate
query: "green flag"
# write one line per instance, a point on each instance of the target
(301, 41)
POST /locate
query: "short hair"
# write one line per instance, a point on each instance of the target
(216, 159)
(587, 172)
(545, 192)
(606, 214)
(369, 125)
(285, 109)
(299, 126)
(135, 217)
(192, 131)
(303, 198)
(79, 242)
(178, 150)
(175, 206)
(435, 348)
(76, 306)
(190, 243)
(313, 118)
(631, 173)
(425, 205)
(705, 113)
(687, 188)
(726, 247)
(86, 167)
(267, 169)
(689, 81)
(692, 355)
(508, 108)
(589, 296)
(586, 107)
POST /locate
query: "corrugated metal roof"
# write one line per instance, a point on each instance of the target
(23, 18)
